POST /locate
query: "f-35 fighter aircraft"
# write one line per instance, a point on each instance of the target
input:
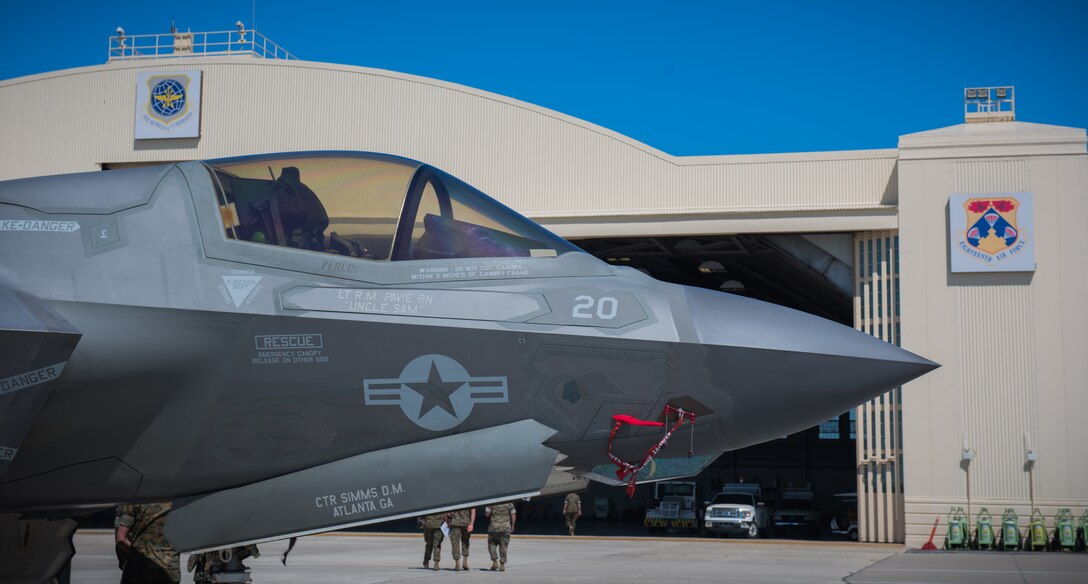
(293, 343)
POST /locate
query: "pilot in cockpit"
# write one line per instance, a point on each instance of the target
(303, 216)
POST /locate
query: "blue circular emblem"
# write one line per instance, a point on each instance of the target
(168, 98)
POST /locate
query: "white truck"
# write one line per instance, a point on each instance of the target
(737, 510)
(675, 507)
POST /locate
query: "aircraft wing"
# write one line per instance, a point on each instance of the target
(508, 462)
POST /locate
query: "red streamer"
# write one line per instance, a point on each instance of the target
(635, 421)
(627, 469)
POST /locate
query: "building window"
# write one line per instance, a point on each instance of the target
(829, 430)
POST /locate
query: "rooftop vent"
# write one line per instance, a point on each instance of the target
(989, 104)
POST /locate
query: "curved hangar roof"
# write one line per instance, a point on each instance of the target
(572, 176)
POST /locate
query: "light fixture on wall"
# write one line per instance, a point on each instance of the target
(712, 267)
(966, 456)
(1030, 458)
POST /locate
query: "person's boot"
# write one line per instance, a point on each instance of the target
(494, 565)
(457, 565)
(502, 566)
(464, 563)
(426, 563)
(435, 568)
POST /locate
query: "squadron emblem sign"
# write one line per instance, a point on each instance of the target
(435, 392)
(991, 233)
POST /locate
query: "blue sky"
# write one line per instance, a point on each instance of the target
(689, 78)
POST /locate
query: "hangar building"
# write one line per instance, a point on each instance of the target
(885, 240)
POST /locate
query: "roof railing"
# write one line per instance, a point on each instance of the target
(989, 104)
(175, 45)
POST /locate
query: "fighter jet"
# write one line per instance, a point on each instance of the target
(294, 343)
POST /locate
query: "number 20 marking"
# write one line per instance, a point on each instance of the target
(607, 307)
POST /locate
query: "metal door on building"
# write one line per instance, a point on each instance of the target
(879, 426)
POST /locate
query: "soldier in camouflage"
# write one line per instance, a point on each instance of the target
(432, 534)
(150, 559)
(503, 517)
(460, 522)
(572, 509)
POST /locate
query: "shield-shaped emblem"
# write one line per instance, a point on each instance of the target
(991, 224)
(168, 97)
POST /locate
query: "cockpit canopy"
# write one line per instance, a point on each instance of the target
(370, 206)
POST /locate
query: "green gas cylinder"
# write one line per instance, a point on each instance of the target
(984, 532)
(1010, 530)
(1084, 531)
(1065, 537)
(957, 529)
(1037, 531)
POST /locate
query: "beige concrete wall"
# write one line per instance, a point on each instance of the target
(1013, 346)
(577, 178)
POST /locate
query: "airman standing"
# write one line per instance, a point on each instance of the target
(461, 523)
(503, 517)
(432, 534)
(145, 555)
(572, 510)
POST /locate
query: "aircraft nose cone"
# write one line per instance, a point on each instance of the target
(786, 370)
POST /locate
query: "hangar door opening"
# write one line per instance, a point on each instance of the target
(845, 277)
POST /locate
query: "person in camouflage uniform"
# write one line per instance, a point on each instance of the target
(460, 523)
(432, 534)
(503, 517)
(572, 509)
(151, 558)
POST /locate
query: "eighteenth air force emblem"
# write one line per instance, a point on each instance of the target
(991, 225)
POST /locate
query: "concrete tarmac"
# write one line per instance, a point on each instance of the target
(397, 557)
(375, 557)
(967, 567)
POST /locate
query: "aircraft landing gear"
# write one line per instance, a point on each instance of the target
(36, 550)
(223, 565)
